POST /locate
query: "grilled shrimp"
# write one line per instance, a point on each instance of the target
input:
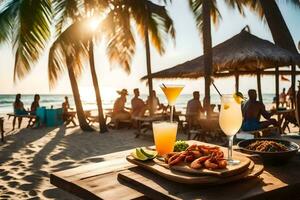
(198, 163)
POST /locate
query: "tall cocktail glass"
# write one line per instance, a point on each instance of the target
(164, 136)
(230, 121)
(171, 93)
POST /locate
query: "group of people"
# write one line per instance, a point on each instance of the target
(20, 110)
(252, 110)
(138, 105)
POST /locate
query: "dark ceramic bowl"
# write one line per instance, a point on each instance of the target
(275, 158)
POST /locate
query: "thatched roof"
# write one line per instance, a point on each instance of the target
(243, 52)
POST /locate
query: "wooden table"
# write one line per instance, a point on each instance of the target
(101, 181)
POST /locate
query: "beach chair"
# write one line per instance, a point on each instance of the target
(2, 128)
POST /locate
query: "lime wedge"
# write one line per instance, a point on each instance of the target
(137, 154)
(238, 97)
(148, 153)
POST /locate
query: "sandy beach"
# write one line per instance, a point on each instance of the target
(29, 155)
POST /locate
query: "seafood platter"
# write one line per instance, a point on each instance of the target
(198, 163)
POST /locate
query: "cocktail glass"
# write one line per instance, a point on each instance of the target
(230, 121)
(164, 136)
(172, 92)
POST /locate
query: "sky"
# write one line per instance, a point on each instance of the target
(188, 45)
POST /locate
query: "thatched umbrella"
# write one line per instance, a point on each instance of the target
(242, 54)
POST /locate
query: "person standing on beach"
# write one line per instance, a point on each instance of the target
(194, 109)
(282, 98)
(138, 106)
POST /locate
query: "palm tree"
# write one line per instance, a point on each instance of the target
(279, 30)
(69, 9)
(67, 53)
(153, 22)
(26, 25)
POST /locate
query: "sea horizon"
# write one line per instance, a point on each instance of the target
(89, 102)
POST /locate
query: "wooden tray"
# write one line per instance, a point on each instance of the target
(252, 170)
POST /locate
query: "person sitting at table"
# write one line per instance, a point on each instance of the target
(252, 111)
(18, 110)
(138, 106)
(67, 117)
(194, 109)
(282, 98)
(34, 106)
(120, 112)
(156, 105)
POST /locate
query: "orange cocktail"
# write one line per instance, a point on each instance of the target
(164, 136)
(172, 92)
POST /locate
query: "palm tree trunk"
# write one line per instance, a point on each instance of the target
(148, 60)
(102, 123)
(80, 113)
(280, 32)
(207, 50)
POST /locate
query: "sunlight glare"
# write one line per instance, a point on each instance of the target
(94, 23)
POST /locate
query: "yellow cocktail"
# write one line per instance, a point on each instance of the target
(172, 92)
(164, 136)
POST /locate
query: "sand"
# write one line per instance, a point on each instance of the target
(30, 155)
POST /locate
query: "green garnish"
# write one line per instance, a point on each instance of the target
(180, 145)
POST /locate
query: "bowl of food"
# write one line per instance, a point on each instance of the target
(272, 151)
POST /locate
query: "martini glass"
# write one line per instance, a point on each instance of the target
(171, 92)
(230, 121)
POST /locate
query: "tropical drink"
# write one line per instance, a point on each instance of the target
(172, 92)
(230, 120)
(164, 136)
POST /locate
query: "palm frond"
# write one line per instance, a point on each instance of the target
(8, 15)
(72, 44)
(117, 31)
(33, 32)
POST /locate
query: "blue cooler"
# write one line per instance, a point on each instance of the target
(41, 115)
(54, 117)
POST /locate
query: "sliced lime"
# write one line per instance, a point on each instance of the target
(148, 153)
(137, 154)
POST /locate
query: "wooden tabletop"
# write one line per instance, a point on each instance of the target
(100, 181)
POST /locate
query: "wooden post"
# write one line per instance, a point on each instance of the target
(237, 82)
(277, 86)
(293, 77)
(207, 50)
(259, 87)
(148, 61)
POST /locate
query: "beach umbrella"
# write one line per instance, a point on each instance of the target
(243, 54)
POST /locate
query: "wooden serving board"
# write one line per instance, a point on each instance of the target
(184, 167)
(130, 175)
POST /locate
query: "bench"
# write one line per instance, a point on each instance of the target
(2, 128)
(30, 117)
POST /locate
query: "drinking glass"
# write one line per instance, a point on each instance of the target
(171, 92)
(230, 121)
(164, 136)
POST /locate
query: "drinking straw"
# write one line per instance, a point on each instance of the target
(216, 88)
(164, 85)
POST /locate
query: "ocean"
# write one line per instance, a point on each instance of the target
(89, 103)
